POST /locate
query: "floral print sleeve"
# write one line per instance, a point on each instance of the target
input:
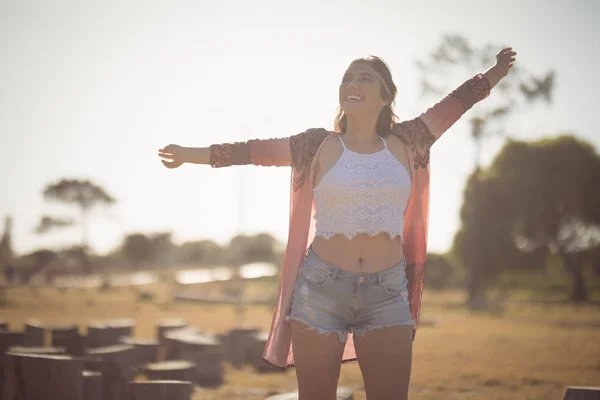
(444, 114)
(264, 152)
(303, 147)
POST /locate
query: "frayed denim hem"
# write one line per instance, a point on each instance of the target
(360, 333)
(341, 334)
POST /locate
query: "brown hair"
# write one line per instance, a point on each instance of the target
(387, 118)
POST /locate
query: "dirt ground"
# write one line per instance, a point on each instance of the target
(526, 350)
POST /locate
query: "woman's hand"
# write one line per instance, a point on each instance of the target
(173, 156)
(505, 60)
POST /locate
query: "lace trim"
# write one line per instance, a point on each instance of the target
(415, 275)
(416, 135)
(303, 147)
(472, 91)
(351, 235)
(227, 154)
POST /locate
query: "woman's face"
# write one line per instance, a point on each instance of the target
(360, 91)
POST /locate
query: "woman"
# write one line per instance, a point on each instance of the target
(355, 256)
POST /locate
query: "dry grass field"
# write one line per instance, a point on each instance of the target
(527, 350)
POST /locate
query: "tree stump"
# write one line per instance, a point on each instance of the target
(34, 334)
(169, 349)
(3, 326)
(255, 351)
(92, 385)
(57, 351)
(43, 377)
(146, 349)
(203, 350)
(343, 393)
(118, 369)
(164, 326)
(107, 333)
(582, 393)
(177, 370)
(160, 390)
(9, 339)
(67, 336)
(238, 342)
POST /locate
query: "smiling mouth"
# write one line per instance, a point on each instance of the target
(353, 98)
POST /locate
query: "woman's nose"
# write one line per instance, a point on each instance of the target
(353, 84)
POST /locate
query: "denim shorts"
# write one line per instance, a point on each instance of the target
(330, 299)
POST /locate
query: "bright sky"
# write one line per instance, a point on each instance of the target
(93, 89)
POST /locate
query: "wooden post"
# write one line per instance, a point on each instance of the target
(161, 390)
(43, 377)
(582, 393)
(92, 385)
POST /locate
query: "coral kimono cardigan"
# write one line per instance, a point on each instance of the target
(300, 152)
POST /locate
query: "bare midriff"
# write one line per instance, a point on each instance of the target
(362, 254)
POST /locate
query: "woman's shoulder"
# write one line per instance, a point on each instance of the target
(306, 143)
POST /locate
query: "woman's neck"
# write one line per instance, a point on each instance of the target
(361, 133)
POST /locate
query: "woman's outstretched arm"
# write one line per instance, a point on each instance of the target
(266, 152)
(444, 114)
(292, 151)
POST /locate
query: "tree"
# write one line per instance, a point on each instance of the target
(513, 95)
(81, 193)
(137, 249)
(206, 252)
(535, 198)
(7, 254)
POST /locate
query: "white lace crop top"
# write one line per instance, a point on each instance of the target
(362, 193)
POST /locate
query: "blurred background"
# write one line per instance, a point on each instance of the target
(89, 91)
